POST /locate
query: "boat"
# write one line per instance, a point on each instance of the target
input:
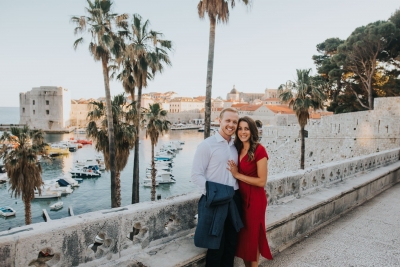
(162, 178)
(85, 172)
(47, 193)
(57, 150)
(53, 185)
(165, 162)
(201, 129)
(91, 162)
(147, 183)
(65, 181)
(72, 146)
(159, 173)
(3, 178)
(84, 142)
(7, 211)
(57, 206)
(181, 126)
(163, 158)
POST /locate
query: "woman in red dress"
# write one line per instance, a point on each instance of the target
(252, 171)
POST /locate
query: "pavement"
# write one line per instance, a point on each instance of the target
(369, 235)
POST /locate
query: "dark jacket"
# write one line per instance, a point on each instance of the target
(212, 213)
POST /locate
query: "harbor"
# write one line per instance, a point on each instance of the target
(93, 193)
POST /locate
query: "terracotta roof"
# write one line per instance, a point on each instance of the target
(283, 109)
(318, 115)
(249, 107)
(238, 105)
(272, 99)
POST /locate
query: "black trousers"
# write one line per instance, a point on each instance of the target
(224, 256)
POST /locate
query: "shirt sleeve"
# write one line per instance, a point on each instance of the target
(201, 160)
(260, 153)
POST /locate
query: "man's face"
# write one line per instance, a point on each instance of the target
(228, 124)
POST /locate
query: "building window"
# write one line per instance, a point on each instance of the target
(47, 112)
(33, 102)
(23, 110)
(33, 112)
(47, 102)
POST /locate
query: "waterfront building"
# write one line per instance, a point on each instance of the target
(185, 104)
(46, 107)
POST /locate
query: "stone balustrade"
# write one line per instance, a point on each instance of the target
(136, 233)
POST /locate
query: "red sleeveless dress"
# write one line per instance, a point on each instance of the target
(254, 201)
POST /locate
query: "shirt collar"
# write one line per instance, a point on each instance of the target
(219, 138)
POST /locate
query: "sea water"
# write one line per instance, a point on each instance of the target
(94, 193)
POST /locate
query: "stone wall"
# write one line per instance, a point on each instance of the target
(336, 137)
(143, 232)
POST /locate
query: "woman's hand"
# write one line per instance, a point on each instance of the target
(233, 168)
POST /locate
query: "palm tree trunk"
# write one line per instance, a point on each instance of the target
(28, 215)
(302, 148)
(135, 182)
(118, 187)
(210, 65)
(110, 126)
(153, 174)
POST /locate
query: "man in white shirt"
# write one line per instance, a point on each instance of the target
(210, 164)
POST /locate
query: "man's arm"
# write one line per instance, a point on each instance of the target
(201, 160)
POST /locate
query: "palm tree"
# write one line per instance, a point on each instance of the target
(144, 56)
(218, 11)
(104, 44)
(124, 132)
(156, 123)
(20, 151)
(303, 94)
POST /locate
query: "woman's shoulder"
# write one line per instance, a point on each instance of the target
(260, 152)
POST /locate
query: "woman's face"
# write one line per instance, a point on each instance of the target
(244, 131)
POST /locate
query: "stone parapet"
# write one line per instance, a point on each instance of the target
(160, 233)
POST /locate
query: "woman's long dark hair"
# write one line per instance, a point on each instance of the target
(253, 137)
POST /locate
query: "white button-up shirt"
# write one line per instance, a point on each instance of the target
(210, 162)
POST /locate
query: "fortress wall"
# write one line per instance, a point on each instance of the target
(335, 137)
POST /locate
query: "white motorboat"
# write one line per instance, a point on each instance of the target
(90, 162)
(159, 173)
(47, 193)
(148, 183)
(159, 168)
(177, 144)
(85, 172)
(71, 181)
(7, 211)
(163, 178)
(53, 185)
(3, 178)
(57, 206)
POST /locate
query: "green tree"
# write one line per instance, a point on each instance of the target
(104, 44)
(303, 94)
(146, 54)
(218, 11)
(327, 68)
(360, 54)
(156, 124)
(20, 151)
(124, 131)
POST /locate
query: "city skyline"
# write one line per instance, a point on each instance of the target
(261, 47)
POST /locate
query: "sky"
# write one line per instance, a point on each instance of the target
(260, 47)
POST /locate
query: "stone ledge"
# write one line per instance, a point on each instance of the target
(160, 231)
(286, 224)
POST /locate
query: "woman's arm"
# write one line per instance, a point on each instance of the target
(262, 173)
